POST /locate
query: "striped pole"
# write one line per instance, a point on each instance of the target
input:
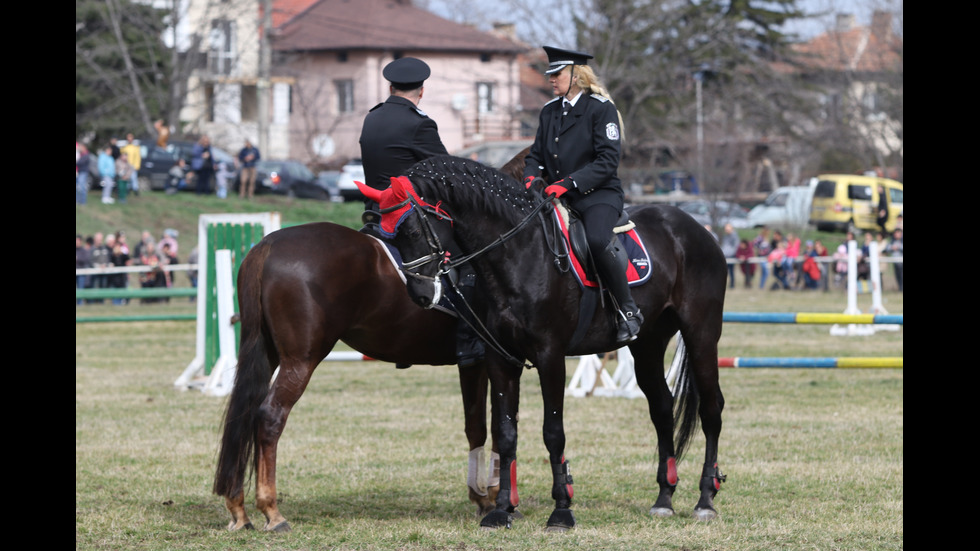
(812, 318)
(812, 362)
(346, 356)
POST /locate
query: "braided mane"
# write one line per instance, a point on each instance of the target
(467, 185)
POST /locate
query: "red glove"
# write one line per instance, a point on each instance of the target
(558, 188)
(528, 180)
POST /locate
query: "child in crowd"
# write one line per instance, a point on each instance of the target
(107, 169)
(223, 175)
(178, 177)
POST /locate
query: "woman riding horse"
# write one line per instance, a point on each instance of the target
(576, 151)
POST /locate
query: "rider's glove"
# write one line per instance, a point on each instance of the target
(558, 188)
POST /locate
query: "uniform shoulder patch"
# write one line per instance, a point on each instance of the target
(553, 100)
(603, 99)
(612, 131)
(421, 112)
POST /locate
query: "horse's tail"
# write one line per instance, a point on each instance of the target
(686, 402)
(241, 418)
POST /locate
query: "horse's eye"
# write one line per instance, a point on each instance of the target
(415, 234)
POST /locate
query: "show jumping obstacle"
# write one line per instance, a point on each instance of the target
(591, 379)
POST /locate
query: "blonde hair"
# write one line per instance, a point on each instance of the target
(586, 79)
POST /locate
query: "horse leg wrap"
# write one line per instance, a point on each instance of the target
(476, 476)
(711, 480)
(514, 500)
(562, 489)
(667, 479)
(668, 476)
(494, 478)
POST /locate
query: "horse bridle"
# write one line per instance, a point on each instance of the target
(440, 254)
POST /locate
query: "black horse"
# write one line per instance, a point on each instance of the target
(534, 305)
(301, 290)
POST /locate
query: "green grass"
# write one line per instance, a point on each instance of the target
(374, 458)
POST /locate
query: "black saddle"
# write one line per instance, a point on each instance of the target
(580, 245)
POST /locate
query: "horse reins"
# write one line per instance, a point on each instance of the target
(447, 264)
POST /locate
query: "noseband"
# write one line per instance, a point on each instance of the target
(437, 253)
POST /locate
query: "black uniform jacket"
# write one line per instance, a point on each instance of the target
(584, 146)
(396, 135)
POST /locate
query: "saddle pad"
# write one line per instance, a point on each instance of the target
(638, 267)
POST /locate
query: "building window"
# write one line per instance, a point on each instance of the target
(484, 97)
(221, 47)
(871, 101)
(831, 107)
(345, 95)
(250, 103)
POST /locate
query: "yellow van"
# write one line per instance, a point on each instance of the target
(847, 202)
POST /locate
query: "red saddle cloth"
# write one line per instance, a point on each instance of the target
(637, 269)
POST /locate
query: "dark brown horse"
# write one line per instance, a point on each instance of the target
(533, 307)
(300, 291)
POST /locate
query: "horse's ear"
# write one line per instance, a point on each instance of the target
(402, 187)
(369, 192)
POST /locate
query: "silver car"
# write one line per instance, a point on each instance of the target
(717, 213)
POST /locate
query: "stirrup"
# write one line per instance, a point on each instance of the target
(628, 326)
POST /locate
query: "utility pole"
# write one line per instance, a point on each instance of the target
(262, 85)
(698, 77)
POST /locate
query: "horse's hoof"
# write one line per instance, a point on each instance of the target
(497, 519)
(561, 520)
(705, 515)
(661, 511)
(282, 527)
(233, 528)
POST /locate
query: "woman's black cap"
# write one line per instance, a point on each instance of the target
(558, 58)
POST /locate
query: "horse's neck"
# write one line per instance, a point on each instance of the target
(507, 266)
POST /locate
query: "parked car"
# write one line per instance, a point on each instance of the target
(285, 177)
(847, 202)
(717, 213)
(787, 207)
(157, 162)
(328, 180)
(351, 172)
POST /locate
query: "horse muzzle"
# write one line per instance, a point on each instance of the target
(426, 292)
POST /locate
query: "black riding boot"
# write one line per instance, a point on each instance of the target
(611, 265)
(469, 346)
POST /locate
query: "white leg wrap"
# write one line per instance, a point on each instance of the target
(494, 469)
(476, 476)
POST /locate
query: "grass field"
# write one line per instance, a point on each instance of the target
(374, 458)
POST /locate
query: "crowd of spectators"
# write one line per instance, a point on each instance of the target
(112, 250)
(798, 265)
